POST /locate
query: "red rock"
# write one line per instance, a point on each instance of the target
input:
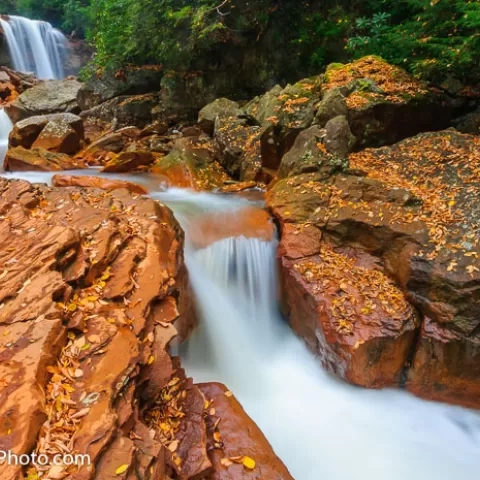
(249, 222)
(97, 182)
(129, 161)
(54, 230)
(445, 367)
(239, 437)
(26, 131)
(58, 137)
(410, 210)
(19, 159)
(192, 164)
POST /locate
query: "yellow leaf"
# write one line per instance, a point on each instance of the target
(151, 359)
(71, 336)
(72, 307)
(248, 463)
(92, 298)
(122, 469)
(86, 346)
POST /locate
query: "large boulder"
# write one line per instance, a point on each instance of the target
(58, 136)
(221, 107)
(130, 81)
(19, 159)
(25, 132)
(310, 154)
(192, 164)
(129, 161)
(283, 114)
(134, 110)
(52, 96)
(385, 104)
(240, 147)
(182, 96)
(366, 247)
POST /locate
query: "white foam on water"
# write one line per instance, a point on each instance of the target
(322, 428)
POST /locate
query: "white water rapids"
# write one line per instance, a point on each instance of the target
(322, 428)
(35, 46)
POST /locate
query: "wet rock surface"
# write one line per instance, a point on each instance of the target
(47, 97)
(93, 291)
(403, 217)
(19, 159)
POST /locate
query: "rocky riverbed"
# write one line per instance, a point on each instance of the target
(374, 196)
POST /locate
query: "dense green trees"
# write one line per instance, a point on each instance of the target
(432, 38)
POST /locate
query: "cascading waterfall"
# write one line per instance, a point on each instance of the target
(322, 428)
(35, 46)
(5, 129)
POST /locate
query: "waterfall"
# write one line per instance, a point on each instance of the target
(35, 46)
(322, 428)
(5, 129)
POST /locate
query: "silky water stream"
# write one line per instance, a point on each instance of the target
(322, 428)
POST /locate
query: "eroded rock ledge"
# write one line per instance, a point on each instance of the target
(380, 263)
(93, 291)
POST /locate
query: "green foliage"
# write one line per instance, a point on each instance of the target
(433, 39)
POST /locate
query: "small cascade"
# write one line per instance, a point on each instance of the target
(35, 46)
(320, 427)
(5, 129)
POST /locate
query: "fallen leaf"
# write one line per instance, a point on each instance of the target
(122, 469)
(248, 463)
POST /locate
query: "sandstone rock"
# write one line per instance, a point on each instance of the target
(385, 104)
(125, 111)
(221, 107)
(19, 159)
(240, 437)
(192, 164)
(129, 161)
(48, 97)
(131, 81)
(240, 148)
(155, 128)
(405, 215)
(332, 105)
(284, 113)
(181, 97)
(46, 246)
(97, 182)
(25, 132)
(58, 137)
(310, 152)
(338, 138)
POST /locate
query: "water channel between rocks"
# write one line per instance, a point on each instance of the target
(322, 428)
